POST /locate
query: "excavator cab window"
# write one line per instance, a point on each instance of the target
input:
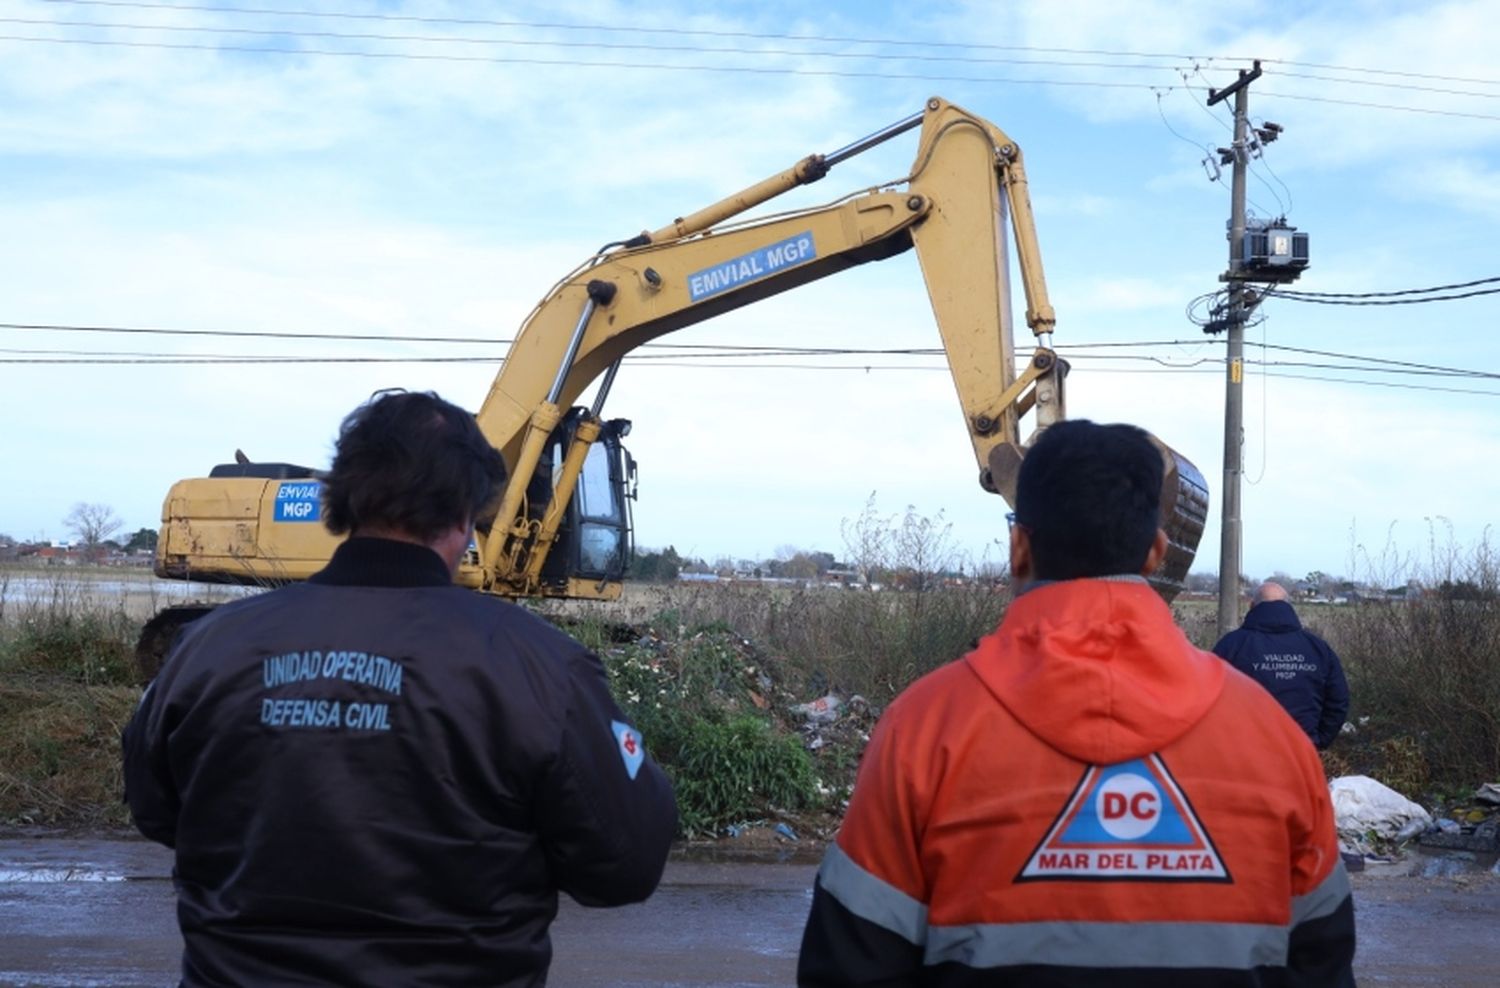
(594, 540)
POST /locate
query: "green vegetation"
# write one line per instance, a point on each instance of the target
(1424, 677)
(66, 691)
(713, 681)
(703, 703)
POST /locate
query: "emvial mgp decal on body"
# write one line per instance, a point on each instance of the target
(632, 751)
(1127, 822)
(298, 500)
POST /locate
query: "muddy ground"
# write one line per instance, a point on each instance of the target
(100, 912)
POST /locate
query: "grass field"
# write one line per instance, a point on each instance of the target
(713, 673)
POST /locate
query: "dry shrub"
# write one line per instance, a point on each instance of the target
(66, 692)
(1424, 675)
(871, 643)
(61, 743)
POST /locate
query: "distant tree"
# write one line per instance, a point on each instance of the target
(144, 538)
(824, 561)
(1202, 582)
(800, 567)
(1315, 580)
(92, 525)
(657, 567)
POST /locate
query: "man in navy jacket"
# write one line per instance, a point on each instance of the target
(1297, 667)
(379, 777)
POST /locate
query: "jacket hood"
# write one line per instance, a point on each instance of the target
(1098, 670)
(1273, 616)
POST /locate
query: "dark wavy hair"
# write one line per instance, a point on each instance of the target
(1089, 497)
(411, 462)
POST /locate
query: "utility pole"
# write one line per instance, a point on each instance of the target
(1234, 363)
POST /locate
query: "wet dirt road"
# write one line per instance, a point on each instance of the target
(75, 913)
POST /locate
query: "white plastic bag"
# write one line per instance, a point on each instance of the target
(1362, 806)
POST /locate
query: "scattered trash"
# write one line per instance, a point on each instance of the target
(1489, 794)
(785, 832)
(1413, 828)
(734, 830)
(1348, 728)
(1353, 861)
(823, 710)
(1449, 826)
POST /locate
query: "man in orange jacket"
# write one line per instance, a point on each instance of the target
(1071, 803)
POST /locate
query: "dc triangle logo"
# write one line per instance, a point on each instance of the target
(1127, 822)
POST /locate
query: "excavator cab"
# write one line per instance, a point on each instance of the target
(594, 542)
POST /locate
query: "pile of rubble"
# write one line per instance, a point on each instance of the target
(1471, 825)
(1377, 824)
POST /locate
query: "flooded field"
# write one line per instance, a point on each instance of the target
(135, 592)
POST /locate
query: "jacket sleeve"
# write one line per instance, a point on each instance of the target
(868, 921)
(149, 791)
(1335, 699)
(606, 813)
(1321, 943)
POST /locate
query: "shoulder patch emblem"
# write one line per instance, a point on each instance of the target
(632, 751)
(1127, 822)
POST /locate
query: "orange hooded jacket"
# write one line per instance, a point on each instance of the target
(1084, 799)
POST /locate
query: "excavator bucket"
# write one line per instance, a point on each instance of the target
(1184, 509)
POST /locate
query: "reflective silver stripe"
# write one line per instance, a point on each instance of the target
(1233, 946)
(1323, 900)
(871, 898)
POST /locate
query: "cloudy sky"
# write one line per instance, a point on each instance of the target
(400, 170)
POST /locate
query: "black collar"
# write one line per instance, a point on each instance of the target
(371, 562)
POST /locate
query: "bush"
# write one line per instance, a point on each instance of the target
(1424, 676)
(63, 633)
(738, 769)
(66, 692)
(703, 706)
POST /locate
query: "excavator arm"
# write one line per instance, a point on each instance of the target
(966, 186)
(258, 522)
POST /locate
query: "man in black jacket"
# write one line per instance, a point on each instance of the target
(1296, 666)
(377, 776)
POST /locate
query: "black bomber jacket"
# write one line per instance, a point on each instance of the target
(378, 777)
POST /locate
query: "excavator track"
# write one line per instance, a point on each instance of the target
(158, 634)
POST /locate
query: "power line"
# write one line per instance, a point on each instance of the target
(1406, 86)
(573, 62)
(604, 45)
(1389, 301)
(759, 36)
(1382, 106)
(622, 29)
(1392, 294)
(1390, 72)
(702, 361)
(715, 350)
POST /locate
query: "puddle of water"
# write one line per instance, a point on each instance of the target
(58, 875)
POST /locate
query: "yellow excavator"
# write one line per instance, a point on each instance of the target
(562, 527)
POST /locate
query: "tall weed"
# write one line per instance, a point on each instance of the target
(65, 694)
(1424, 670)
